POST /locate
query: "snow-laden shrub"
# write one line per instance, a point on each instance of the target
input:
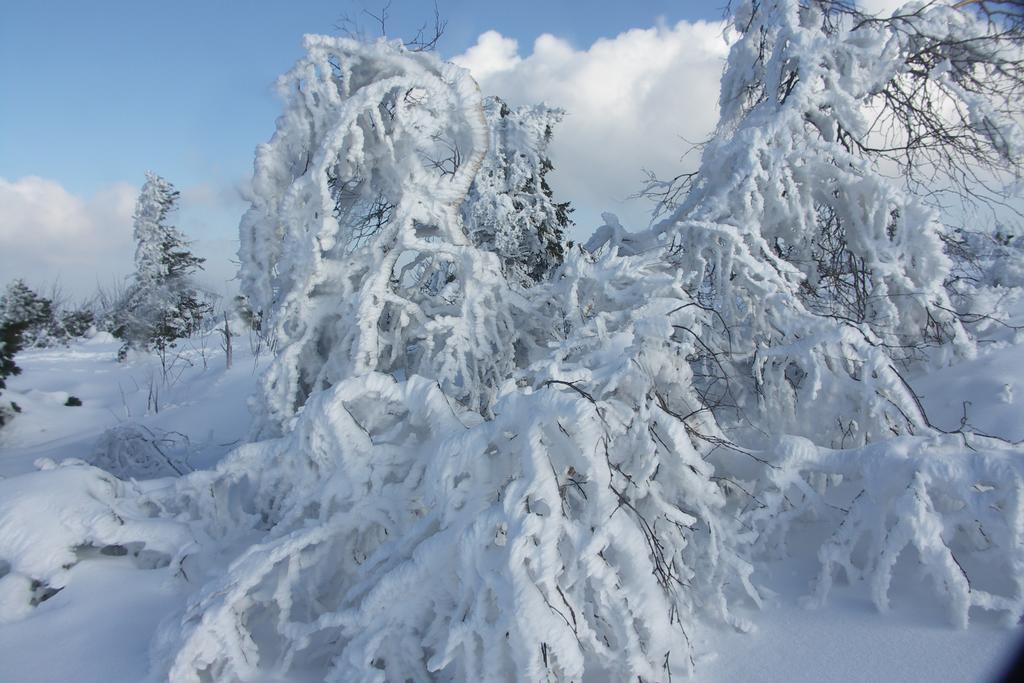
(577, 531)
(956, 500)
(828, 276)
(33, 313)
(952, 502)
(986, 283)
(353, 251)
(134, 451)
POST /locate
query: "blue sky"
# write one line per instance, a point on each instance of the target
(92, 94)
(98, 92)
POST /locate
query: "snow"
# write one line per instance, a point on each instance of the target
(101, 625)
(116, 394)
(97, 629)
(850, 641)
(992, 387)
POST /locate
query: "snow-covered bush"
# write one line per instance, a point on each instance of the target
(510, 210)
(986, 283)
(163, 303)
(827, 276)
(134, 451)
(34, 313)
(955, 499)
(577, 531)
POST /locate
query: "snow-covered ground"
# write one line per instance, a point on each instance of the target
(199, 399)
(848, 640)
(100, 627)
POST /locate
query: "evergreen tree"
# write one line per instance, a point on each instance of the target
(163, 303)
(510, 209)
(44, 322)
(34, 313)
(11, 332)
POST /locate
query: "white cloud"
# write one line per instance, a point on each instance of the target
(47, 233)
(630, 100)
(492, 54)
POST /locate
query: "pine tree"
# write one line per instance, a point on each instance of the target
(11, 341)
(510, 209)
(43, 320)
(21, 305)
(163, 303)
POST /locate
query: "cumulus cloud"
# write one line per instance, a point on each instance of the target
(492, 54)
(632, 102)
(48, 233)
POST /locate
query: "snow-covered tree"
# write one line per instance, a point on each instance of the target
(575, 531)
(510, 210)
(820, 279)
(826, 275)
(44, 321)
(11, 342)
(354, 252)
(21, 305)
(581, 530)
(163, 303)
